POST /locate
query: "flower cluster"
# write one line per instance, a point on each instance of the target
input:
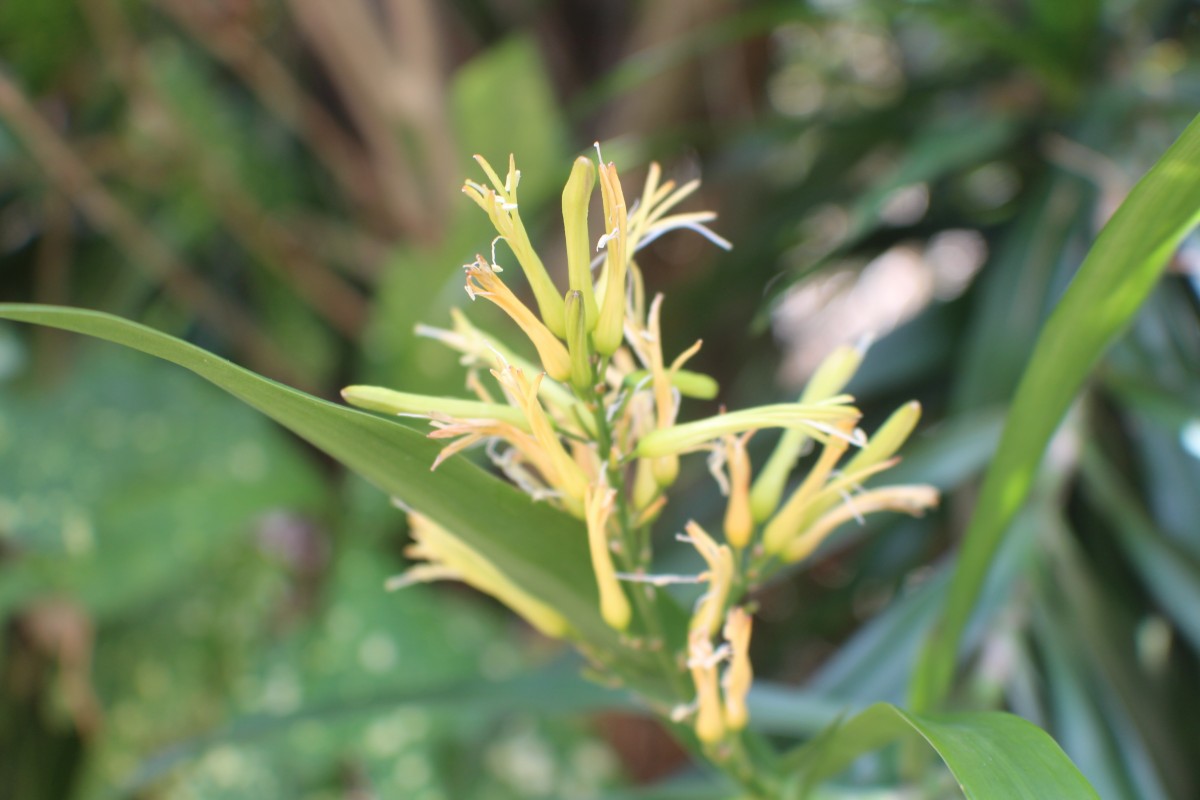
(593, 427)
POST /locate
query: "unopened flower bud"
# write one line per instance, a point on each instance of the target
(739, 523)
(575, 199)
(582, 377)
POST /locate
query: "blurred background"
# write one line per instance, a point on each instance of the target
(191, 600)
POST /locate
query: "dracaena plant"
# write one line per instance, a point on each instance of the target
(593, 427)
(591, 435)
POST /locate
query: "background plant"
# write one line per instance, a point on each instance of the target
(968, 109)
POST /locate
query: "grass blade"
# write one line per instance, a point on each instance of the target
(1115, 278)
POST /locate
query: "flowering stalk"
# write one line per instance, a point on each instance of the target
(595, 431)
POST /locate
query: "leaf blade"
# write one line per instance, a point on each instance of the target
(538, 546)
(1120, 270)
(992, 755)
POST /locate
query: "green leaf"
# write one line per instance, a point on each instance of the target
(1115, 278)
(540, 548)
(992, 755)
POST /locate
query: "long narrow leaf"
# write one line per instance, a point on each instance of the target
(542, 549)
(1115, 278)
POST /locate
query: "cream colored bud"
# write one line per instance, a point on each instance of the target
(614, 605)
(665, 469)
(706, 620)
(890, 437)
(832, 375)
(912, 500)
(645, 486)
(739, 523)
(710, 720)
(740, 674)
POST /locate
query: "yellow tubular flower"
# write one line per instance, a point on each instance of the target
(787, 523)
(706, 620)
(482, 281)
(664, 401)
(500, 204)
(710, 720)
(888, 439)
(912, 500)
(386, 401)
(645, 487)
(610, 328)
(450, 556)
(479, 349)
(830, 378)
(614, 605)
(740, 674)
(648, 342)
(873, 458)
(815, 419)
(565, 474)
(468, 432)
(739, 523)
(575, 198)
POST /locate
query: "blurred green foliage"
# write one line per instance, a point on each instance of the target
(193, 600)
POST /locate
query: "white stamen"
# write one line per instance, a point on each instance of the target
(604, 240)
(712, 659)
(681, 712)
(707, 233)
(496, 267)
(848, 499)
(658, 580)
(611, 412)
(716, 468)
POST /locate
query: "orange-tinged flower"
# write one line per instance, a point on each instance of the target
(449, 557)
(500, 203)
(614, 605)
(482, 281)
